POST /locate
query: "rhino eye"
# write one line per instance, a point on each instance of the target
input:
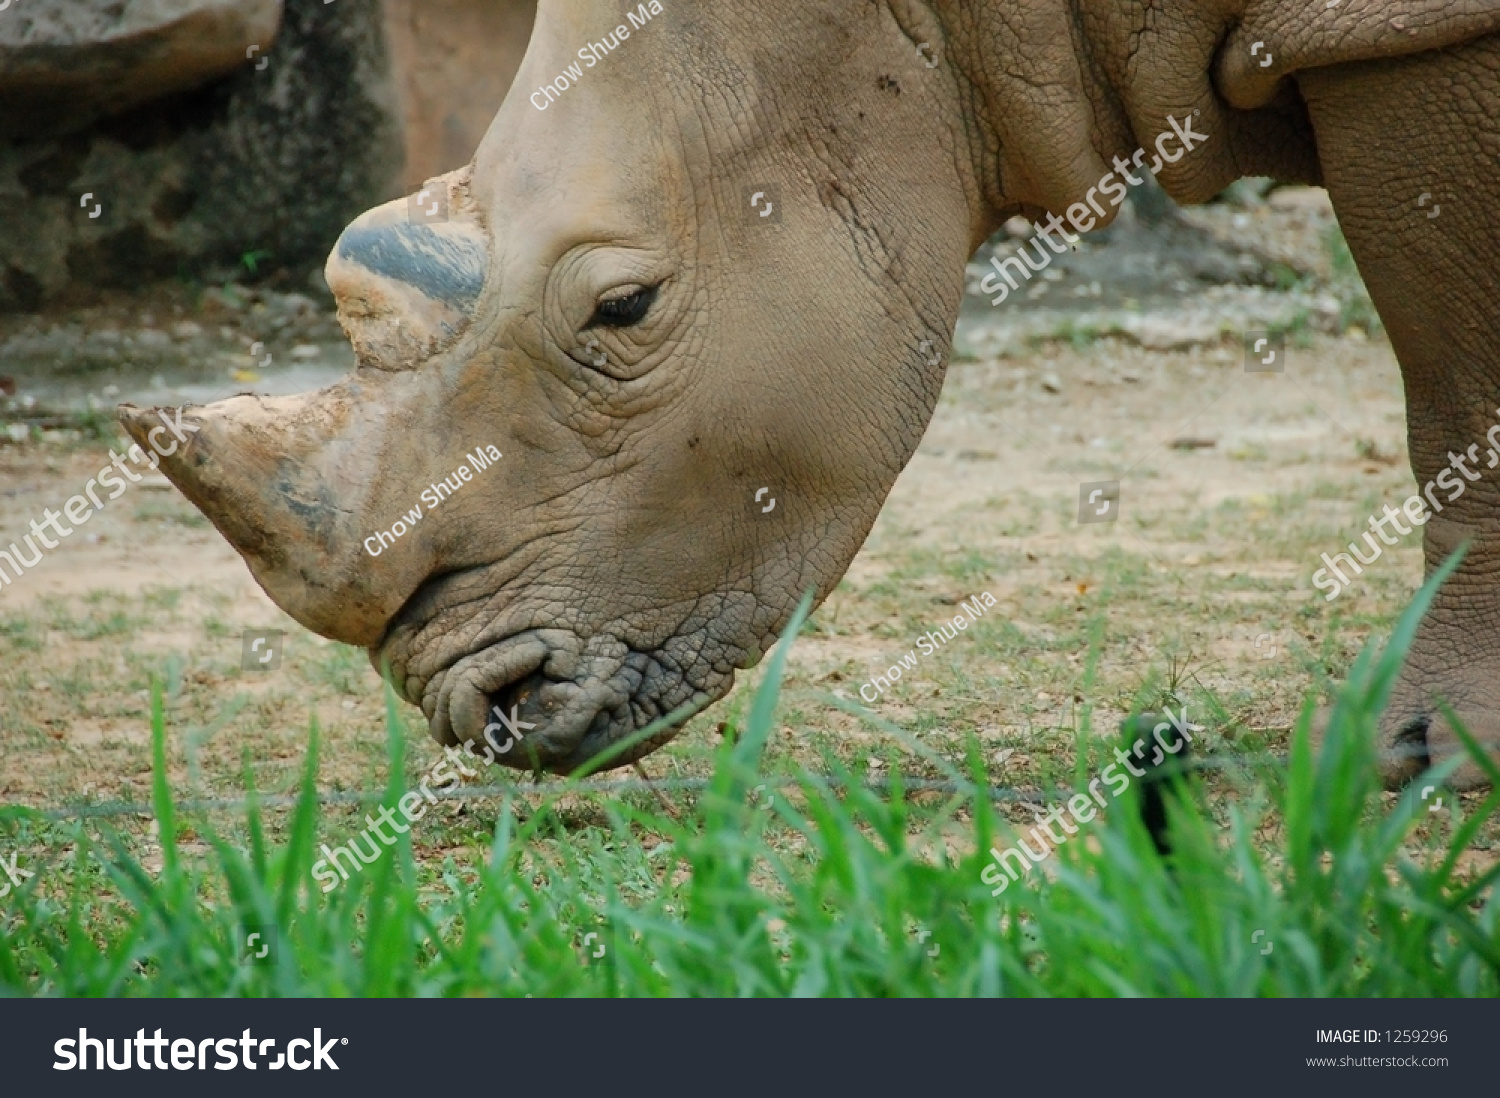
(624, 311)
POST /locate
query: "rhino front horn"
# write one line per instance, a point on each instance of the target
(290, 483)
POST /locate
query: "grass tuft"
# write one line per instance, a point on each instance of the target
(820, 886)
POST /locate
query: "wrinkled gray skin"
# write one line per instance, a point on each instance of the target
(615, 564)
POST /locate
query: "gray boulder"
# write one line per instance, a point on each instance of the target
(254, 171)
(139, 142)
(66, 63)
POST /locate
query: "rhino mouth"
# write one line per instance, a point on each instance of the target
(517, 687)
(542, 701)
(541, 723)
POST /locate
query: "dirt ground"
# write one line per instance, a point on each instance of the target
(1231, 485)
(1224, 476)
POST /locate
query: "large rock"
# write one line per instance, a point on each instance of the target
(356, 102)
(454, 61)
(66, 63)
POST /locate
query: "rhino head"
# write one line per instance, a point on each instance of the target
(599, 354)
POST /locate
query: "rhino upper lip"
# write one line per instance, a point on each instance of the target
(500, 666)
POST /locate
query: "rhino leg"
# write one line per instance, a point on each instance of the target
(1388, 133)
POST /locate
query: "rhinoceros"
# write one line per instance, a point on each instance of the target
(707, 250)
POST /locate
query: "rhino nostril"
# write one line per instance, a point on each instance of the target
(517, 711)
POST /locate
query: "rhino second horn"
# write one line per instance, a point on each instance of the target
(407, 275)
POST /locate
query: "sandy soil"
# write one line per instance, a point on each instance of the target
(997, 476)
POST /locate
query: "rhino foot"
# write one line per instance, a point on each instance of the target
(1415, 733)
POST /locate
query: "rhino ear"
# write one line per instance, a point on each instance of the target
(407, 275)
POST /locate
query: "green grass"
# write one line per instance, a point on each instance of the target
(833, 888)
